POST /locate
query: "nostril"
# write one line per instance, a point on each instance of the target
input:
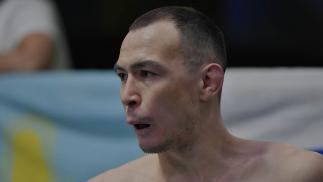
(132, 103)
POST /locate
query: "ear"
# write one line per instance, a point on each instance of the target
(211, 81)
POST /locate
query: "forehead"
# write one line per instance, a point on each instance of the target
(159, 41)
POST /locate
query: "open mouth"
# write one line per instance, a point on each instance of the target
(141, 126)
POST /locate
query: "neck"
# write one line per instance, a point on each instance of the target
(206, 152)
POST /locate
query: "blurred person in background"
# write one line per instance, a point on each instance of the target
(30, 36)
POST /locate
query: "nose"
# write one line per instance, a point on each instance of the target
(130, 96)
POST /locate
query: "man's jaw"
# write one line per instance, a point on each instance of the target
(147, 131)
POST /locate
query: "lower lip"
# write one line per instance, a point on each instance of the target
(144, 131)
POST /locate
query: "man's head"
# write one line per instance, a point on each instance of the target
(168, 98)
(201, 40)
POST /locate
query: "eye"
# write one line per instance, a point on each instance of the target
(122, 76)
(146, 74)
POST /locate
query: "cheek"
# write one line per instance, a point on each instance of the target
(171, 103)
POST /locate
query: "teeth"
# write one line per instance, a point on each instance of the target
(141, 126)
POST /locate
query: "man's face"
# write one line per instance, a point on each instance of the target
(158, 93)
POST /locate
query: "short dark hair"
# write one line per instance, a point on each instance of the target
(202, 40)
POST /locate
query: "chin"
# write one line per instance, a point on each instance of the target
(157, 148)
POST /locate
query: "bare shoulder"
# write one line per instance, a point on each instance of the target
(110, 175)
(131, 172)
(295, 163)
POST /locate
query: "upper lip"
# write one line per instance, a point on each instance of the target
(135, 121)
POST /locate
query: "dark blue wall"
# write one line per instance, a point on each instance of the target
(258, 32)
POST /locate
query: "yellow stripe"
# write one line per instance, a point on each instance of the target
(29, 164)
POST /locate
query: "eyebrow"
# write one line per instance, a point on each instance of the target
(142, 64)
(117, 67)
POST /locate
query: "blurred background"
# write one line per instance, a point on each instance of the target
(70, 125)
(259, 33)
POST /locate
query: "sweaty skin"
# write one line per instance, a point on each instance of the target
(180, 113)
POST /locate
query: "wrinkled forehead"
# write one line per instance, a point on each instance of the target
(155, 34)
(160, 39)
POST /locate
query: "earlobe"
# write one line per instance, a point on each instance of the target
(212, 79)
(201, 84)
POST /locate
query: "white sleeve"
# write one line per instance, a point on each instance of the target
(30, 16)
(18, 18)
